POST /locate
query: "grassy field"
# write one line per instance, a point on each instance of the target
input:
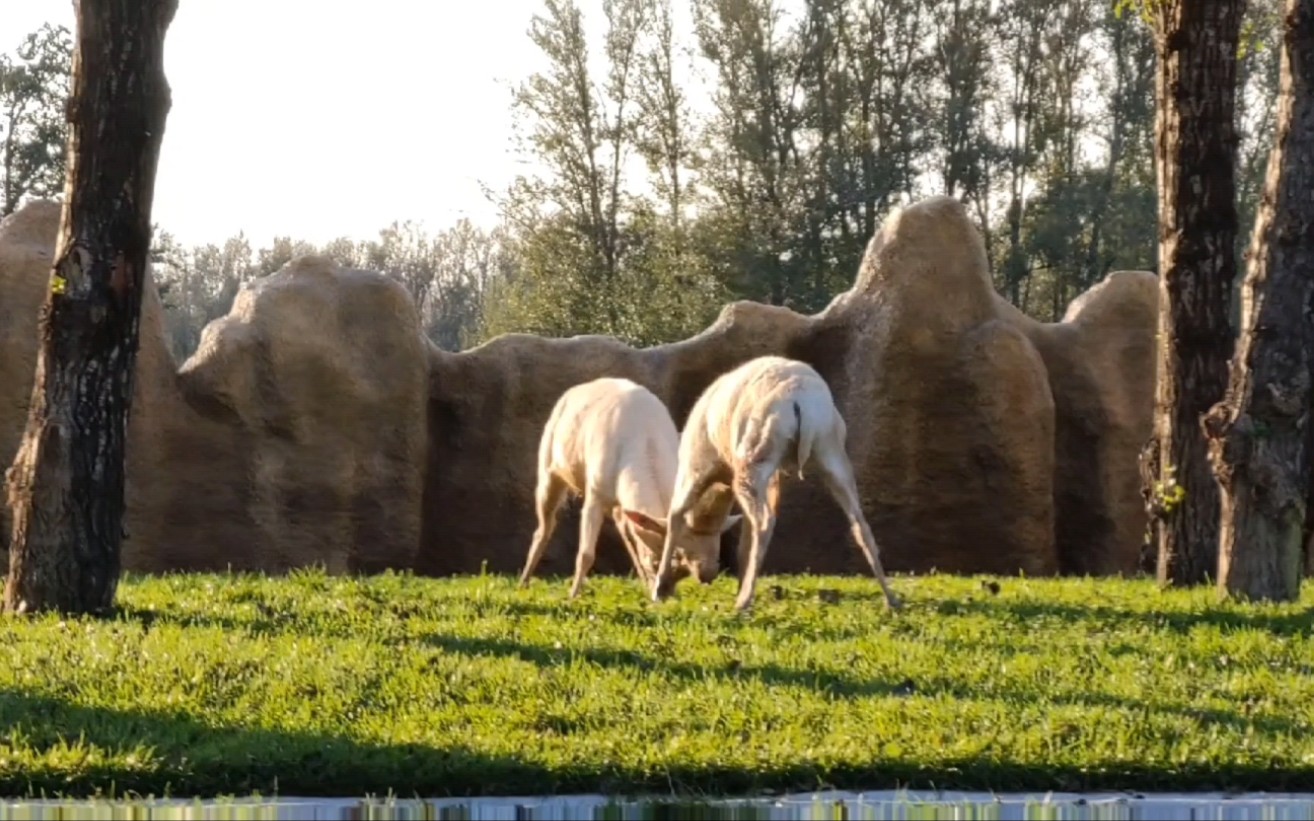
(314, 685)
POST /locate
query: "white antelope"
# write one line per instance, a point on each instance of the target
(769, 415)
(613, 442)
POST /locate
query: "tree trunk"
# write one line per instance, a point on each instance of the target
(1259, 435)
(1309, 505)
(1196, 145)
(66, 486)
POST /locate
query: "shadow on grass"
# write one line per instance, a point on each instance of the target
(660, 660)
(664, 664)
(1276, 623)
(1288, 623)
(192, 758)
(661, 657)
(840, 686)
(268, 620)
(658, 654)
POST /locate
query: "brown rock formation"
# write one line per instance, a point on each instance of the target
(294, 435)
(1100, 361)
(315, 384)
(27, 247)
(315, 425)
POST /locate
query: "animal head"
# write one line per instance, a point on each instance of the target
(697, 548)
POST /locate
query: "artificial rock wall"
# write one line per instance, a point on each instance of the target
(315, 424)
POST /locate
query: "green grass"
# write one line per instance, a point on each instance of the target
(317, 685)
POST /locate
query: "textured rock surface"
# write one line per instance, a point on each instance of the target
(315, 424)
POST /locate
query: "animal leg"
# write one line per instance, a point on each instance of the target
(547, 499)
(744, 551)
(762, 521)
(590, 525)
(837, 472)
(636, 553)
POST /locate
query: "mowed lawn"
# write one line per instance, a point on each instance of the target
(315, 685)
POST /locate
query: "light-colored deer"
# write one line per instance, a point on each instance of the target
(769, 415)
(613, 442)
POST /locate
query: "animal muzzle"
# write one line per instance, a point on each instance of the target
(663, 587)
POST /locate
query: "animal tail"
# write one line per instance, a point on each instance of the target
(802, 441)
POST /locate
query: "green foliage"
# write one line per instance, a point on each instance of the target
(592, 256)
(823, 117)
(557, 290)
(448, 275)
(1143, 9)
(1167, 494)
(197, 285)
(1257, 85)
(649, 206)
(311, 684)
(34, 85)
(652, 298)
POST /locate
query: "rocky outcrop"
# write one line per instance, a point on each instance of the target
(315, 424)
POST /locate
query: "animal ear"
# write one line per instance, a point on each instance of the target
(644, 521)
(731, 521)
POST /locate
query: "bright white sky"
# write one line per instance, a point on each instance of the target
(319, 120)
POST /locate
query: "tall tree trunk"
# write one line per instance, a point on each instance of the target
(1259, 435)
(1196, 146)
(1309, 513)
(66, 486)
(1309, 507)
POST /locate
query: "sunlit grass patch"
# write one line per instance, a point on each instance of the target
(313, 684)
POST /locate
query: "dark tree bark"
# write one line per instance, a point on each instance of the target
(1309, 512)
(1196, 147)
(1259, 435)
(66, 487)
